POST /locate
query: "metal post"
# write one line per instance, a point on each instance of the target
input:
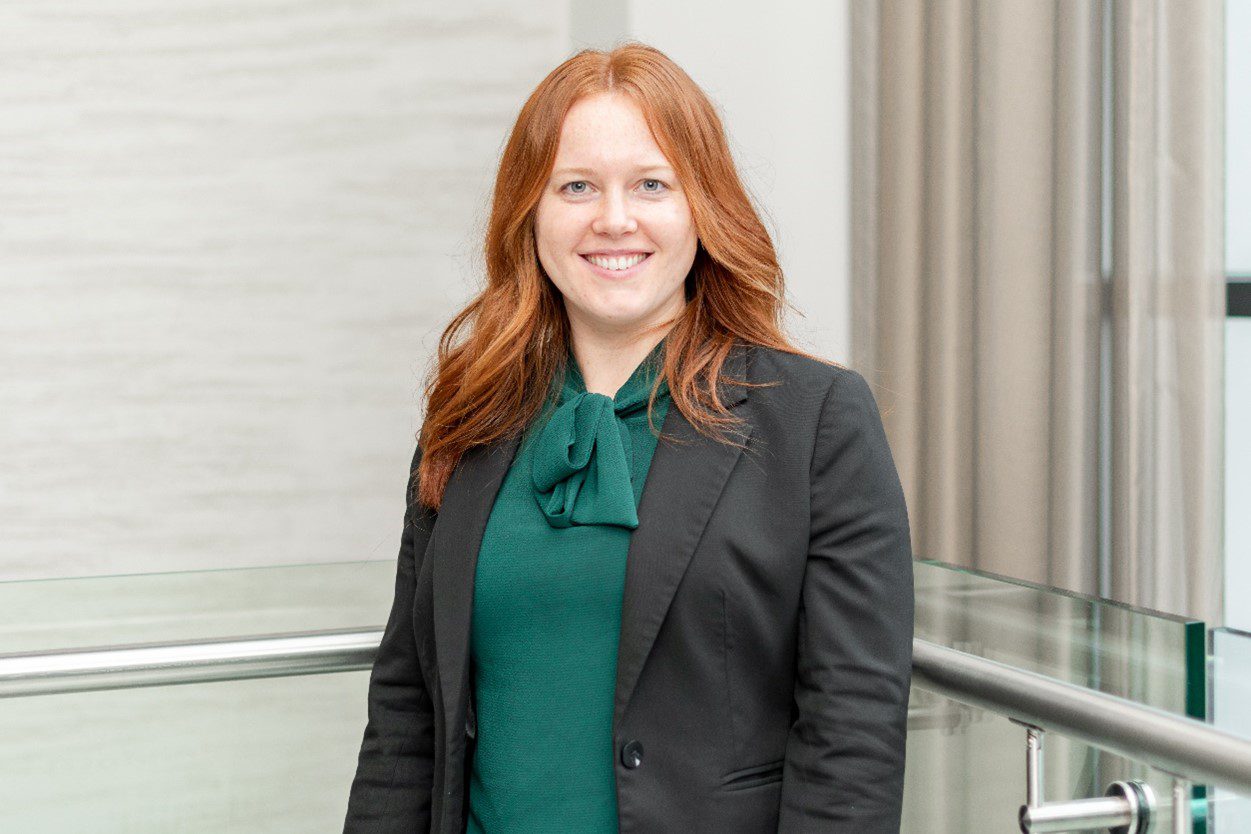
(1181, 806)
(1033, 766)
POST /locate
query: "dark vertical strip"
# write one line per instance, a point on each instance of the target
(1197, 707)
(1238, 296)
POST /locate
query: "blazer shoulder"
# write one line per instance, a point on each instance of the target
(770, 364)
(804, 388)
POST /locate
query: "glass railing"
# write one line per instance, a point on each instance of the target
(965, 772)
(277, 754)
(268, 755)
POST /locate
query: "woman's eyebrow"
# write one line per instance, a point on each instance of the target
(588, 172)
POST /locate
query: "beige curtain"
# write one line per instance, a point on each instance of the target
(1039, 305)
(1039, 286)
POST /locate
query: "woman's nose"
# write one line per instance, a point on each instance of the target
(616, 216)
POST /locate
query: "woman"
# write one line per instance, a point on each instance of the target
(596, 629)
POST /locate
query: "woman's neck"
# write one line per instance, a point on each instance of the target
(607, 365)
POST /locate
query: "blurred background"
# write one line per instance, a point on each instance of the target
(231, 234)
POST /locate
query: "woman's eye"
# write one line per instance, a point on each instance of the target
(649, 187)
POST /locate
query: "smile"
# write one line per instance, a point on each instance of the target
(615, 267)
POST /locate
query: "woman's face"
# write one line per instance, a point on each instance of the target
(613, 228)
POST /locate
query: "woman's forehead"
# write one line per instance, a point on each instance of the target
(602, 133)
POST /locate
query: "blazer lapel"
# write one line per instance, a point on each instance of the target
(683, 484)
(454, 544)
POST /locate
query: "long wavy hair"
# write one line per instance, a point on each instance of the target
(499, 356)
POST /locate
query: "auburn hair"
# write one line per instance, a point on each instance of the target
(498, 358)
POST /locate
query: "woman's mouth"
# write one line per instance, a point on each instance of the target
(617, 267)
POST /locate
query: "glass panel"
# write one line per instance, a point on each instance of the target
(966, 766)
(275, 755)
(1229, 813)
(1230, 670)
(191, 605)
(1146, 656)
(268, 755)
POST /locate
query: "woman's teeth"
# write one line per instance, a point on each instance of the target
(616, 264)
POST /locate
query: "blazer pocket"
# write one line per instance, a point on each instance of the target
(751, 777)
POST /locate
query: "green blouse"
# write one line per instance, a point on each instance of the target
(547, 610)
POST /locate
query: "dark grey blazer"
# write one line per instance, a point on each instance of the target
(766, 632)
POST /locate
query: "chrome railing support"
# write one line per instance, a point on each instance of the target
(1127, 808)
(1181, 806)
(1033, 766)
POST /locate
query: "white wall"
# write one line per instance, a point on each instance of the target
(229, 237)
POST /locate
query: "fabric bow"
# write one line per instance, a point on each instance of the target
(583, 457)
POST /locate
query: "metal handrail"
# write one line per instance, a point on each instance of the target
(195, 661)
(1175, 744)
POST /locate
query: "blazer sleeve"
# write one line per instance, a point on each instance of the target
(844, 766)
(391, 791)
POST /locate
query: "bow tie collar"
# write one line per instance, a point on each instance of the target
(583, 457)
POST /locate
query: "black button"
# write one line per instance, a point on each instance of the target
(632, 754)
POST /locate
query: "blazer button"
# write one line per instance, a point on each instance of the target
(632, 754)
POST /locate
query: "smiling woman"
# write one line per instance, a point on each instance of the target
(617, 243)
(655, 573)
